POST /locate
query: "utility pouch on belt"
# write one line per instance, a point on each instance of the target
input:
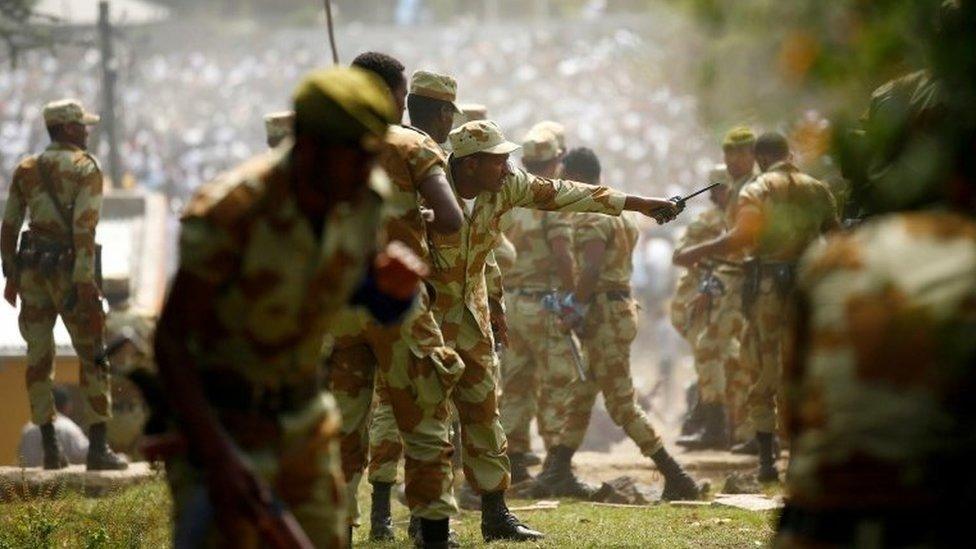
(752, 277)
(784, 277)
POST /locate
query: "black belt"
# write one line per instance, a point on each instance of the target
(231, 391)
(617, 295)
(534, 294)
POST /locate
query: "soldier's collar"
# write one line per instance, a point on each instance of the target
(63, 146)
(783, 166)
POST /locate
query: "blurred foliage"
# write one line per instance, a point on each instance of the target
(907, 144)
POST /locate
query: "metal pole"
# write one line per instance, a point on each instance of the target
(109, 74)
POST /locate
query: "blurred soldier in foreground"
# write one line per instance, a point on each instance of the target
(879, 393)
(488, 187)
(55, 273)
(693, 309)
(413, 371)
(604, 313)
(777, 216)
(539, 355)
(268, 253)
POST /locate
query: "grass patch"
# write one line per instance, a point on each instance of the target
(579, 524)
(133, 517)
(139, 517)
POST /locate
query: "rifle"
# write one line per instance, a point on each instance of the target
(550, 302)
(679, 201)
(277, 526)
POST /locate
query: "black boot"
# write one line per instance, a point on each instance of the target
(544, 480)
(53, 456)
(498, 523)
(767, 459)
(714, 433)
(100, 456)
(520, 470)
(692, 421)
(561, 481)
(677, 484)
(435, 534)
(380, 521)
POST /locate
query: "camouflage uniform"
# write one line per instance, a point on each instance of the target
(461, 304)
(879, 400)
(608, 330)
(416, 372)
(539, 355)
(279, 288)
(76, 180)
(723, 335)
(692, 311)
(790, 210)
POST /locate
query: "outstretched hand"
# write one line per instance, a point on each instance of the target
(398, 270)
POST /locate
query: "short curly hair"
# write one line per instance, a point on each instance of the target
(388, 68)
(582, 163)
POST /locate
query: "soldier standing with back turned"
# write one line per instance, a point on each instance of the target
(54, 273)
(777, 216)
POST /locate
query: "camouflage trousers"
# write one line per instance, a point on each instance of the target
(539, 357)
(414, 372)
(42, 301)
(766, 343)
(301, 466)
(484, 456)
(610, 328)
(385, 444)
(717, 354)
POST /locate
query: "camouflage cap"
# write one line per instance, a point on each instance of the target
(435, 86)
(279, 124)
(344, 105)
(740, 135)
(66, 111)
(474, 111)
(540, 145)
(480, 136)
(718, 174)
(556, 128)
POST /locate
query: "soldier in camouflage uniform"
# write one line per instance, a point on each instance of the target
(54, 273)
(693, 310)
(413, 370)
(488, 188)
(604, 314)
(723, 335)
(269, 252)
(777, 216)
(539, 354)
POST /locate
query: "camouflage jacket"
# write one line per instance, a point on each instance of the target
(531, 232)
(620, 235)
(459, 259)
(408, 157)
(882, 393)
(708, 225)
(279, 283)
(790, 210)
(77, 182)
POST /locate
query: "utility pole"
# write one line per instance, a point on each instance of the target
(109, 77)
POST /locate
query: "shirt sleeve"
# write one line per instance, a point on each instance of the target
(13, 218)
(424, 159)
(493, 279)
(87, 209)
(530, 191)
